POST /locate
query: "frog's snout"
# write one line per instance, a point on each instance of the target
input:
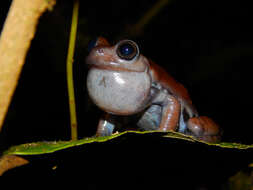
(98, 41)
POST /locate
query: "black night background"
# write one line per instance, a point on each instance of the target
(205, 45)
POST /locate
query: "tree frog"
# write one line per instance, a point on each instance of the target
(123, 82)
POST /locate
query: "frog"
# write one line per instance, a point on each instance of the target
(123, 82)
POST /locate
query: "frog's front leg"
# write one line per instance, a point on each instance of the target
(106, 125)
(170, 111)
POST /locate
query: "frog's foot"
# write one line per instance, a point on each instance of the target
(106, 126)
(204, 129)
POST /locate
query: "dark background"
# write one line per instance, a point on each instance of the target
(205, 45)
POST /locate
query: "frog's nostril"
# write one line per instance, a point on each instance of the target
(92, 44)
(100, 51)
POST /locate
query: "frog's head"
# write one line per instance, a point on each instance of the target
(123, 56)
(118, 81)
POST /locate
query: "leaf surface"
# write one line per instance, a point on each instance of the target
(37, 148)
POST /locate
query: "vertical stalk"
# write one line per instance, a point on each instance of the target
(16, 36)
(145, 19)
(71, 94)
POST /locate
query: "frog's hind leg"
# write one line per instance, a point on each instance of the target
(182, 121)
(203, 128)
(151, 118)
(170, 114)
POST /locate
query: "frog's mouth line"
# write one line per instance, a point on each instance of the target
(111, 68)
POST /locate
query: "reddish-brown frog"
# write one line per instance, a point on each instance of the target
(121, 81)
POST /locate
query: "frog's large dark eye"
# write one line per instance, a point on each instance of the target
(127, 50)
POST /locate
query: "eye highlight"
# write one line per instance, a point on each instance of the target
(127, 50)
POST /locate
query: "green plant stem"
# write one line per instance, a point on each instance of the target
(71, 93)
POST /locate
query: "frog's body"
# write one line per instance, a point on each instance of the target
(123, 82)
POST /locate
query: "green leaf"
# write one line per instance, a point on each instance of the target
(37, 148)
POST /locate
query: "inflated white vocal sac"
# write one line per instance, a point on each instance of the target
(121, 93)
